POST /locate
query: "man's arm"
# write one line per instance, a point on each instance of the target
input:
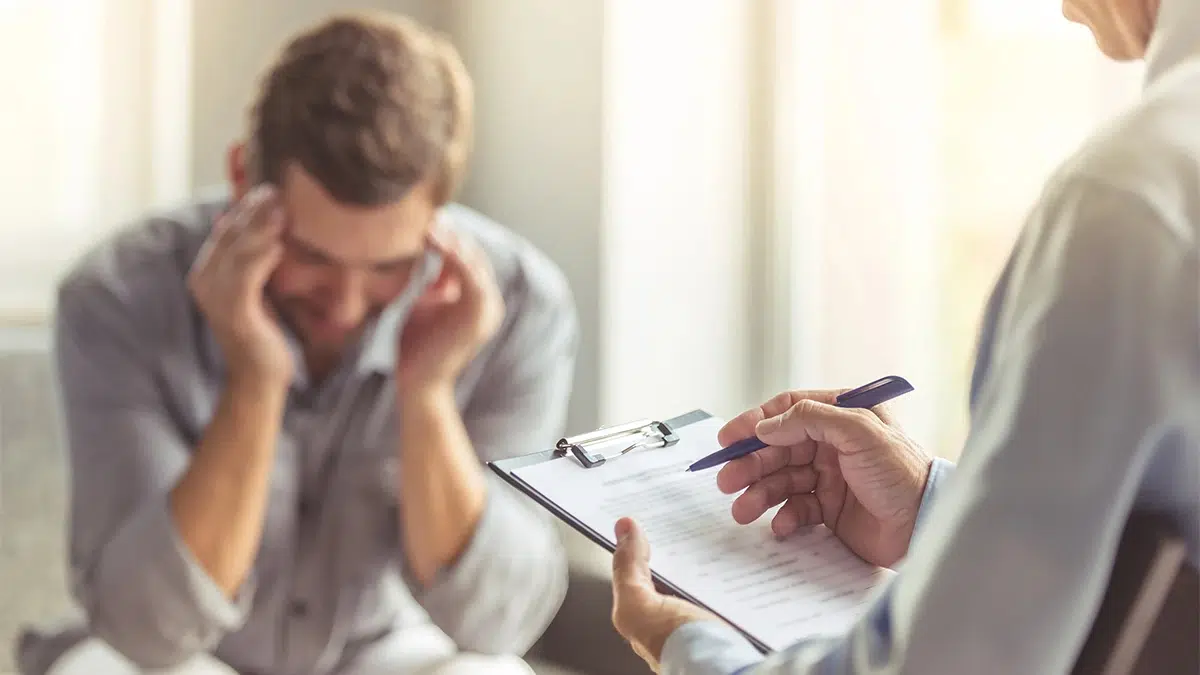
(1096, 360)
(501, 588)
(159, 552)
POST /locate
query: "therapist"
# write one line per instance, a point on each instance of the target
(1085, 406)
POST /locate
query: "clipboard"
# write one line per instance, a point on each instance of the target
(643, 434)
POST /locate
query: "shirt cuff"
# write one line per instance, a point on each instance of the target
(505, 587)
(707, 648)
(153, 600)
(939, 472)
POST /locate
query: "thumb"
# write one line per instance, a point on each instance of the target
(631, 561)
(798, 424)
(821, 422)
(782, 429)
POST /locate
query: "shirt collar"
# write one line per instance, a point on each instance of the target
(381, 342)
(1175, 39)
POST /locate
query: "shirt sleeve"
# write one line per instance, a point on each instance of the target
(1095, 363)
(503, 591)
(140, 587)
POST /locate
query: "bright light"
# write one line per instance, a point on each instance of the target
(1017, 16)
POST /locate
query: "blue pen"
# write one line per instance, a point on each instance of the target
(867, 396)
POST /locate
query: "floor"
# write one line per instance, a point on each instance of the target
(32, 490)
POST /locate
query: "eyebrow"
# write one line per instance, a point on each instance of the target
(315, 252)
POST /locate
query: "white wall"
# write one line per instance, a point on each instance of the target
(675, 275)
(613, 134)
(537, 67)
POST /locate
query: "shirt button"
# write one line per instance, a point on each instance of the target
(298, 609)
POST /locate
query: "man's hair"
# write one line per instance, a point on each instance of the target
(369, 104)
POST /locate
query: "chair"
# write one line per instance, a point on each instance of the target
(1149, 619)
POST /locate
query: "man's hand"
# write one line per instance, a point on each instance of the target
(850, 469)
(227, 282)
(642, 615)
(452, 319)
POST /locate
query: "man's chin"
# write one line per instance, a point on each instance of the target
(326, 341)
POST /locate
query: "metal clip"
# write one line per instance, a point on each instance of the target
(652, 434)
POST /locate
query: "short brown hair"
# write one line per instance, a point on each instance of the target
(370, 104)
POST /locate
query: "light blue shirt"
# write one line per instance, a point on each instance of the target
(1085, 406)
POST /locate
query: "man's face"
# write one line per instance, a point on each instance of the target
(1121, 27)
(342, 265)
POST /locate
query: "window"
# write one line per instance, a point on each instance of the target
(911, 139)
(98, 132)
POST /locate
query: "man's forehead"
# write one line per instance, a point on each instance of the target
(347, 252)
(354, 233)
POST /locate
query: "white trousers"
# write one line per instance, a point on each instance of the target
(93, 657)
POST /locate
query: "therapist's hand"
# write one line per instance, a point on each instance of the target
(642, 615)
(851, 469)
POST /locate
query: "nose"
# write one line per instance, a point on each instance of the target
(349, 306)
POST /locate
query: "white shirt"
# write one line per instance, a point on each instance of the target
(1085, 405)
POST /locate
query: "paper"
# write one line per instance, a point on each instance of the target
(778, 591)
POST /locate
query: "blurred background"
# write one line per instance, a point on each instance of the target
(746, 195)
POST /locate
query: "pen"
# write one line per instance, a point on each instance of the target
(867, 396)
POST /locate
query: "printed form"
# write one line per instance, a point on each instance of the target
(777, 591)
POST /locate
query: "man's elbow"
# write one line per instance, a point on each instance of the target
(547, 591)
(135, 634)
(508, 602)
(146, 598)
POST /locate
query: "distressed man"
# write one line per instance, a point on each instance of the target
(278, 405)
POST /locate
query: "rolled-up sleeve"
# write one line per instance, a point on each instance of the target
(140, 587)
(503, 591)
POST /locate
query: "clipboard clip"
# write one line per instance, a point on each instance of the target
(646, 434)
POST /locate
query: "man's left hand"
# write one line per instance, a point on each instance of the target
(642, 615)
(455, 316)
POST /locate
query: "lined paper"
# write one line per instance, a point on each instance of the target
(778, 591)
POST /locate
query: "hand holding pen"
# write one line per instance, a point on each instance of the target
(826, 462)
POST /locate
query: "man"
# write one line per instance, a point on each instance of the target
(1086, 405)
(277, 407)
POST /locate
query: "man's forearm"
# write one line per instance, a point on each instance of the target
(219, 504)
(442, 484)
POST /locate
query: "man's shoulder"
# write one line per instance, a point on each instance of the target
(1148, 157)
(140, 269)
(526, 274)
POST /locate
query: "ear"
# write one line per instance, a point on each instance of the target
(235, 168)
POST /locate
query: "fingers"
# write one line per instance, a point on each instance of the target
(243, 247)
(631, 561)
(464, 260)
(445, 289)
(744, 425)
(810, 420)
(745, 471)
(799, 511)
(246, 237)
(772, 491)
(256, 224)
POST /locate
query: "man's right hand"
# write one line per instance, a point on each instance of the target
(850, 469)
(227, 282)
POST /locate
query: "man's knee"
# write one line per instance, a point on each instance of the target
(93, 656)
